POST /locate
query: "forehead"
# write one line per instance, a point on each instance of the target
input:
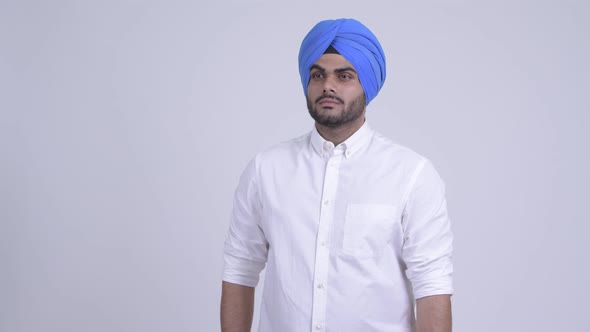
(333, 61)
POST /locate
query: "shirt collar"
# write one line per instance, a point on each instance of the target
(354, 143)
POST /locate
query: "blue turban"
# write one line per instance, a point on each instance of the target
(355, 42)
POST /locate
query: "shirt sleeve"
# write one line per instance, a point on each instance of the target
(428, 240)
(246, 247)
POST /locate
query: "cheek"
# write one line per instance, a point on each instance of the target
(357, 93)
(312, 90)
(352, 93)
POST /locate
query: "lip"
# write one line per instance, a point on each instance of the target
(328, 102)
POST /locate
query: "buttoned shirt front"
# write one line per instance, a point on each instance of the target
(350, 235)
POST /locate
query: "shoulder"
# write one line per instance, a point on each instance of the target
(395, 151)
(278, 154)
(282, 150)
(421, 177)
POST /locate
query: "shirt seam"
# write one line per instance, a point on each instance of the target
(412, 183)
(257, 188)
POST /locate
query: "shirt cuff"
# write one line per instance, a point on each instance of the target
(241, 271)
(439, 286)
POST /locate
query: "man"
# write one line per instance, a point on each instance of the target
(352, 228)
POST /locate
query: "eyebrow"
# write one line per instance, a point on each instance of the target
(318, 67)
(340, 70)
(337, 70)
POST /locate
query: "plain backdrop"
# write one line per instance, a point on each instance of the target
(125, 125)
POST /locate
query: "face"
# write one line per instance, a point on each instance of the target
(335, 96)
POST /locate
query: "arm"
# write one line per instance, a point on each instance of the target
(245, 254)
(434, 314)
(237, 307)
(427, 251)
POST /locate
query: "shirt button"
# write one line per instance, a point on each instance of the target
(327, 202)
(318, 327)
(320, 286)
(324, 243)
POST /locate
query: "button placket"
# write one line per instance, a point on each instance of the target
(322, 256)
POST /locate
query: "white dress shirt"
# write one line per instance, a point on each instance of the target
(350, 235)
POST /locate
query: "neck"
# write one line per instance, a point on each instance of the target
(339, 134)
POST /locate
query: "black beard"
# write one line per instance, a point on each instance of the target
(350, 113)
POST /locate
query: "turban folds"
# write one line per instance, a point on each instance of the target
(355, 42)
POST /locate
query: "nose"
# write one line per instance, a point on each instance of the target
(329, 84)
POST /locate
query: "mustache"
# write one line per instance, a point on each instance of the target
(335, 97)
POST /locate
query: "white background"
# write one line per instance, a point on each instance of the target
(125, 125)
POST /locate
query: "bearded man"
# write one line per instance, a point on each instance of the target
(352, 227)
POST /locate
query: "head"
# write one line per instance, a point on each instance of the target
(342, 68)
(335, 96)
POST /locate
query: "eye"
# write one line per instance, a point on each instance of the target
(317, 75)
(345, 76)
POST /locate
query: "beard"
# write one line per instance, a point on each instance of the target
(350, 113)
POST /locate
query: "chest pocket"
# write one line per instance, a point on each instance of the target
(367, 229)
